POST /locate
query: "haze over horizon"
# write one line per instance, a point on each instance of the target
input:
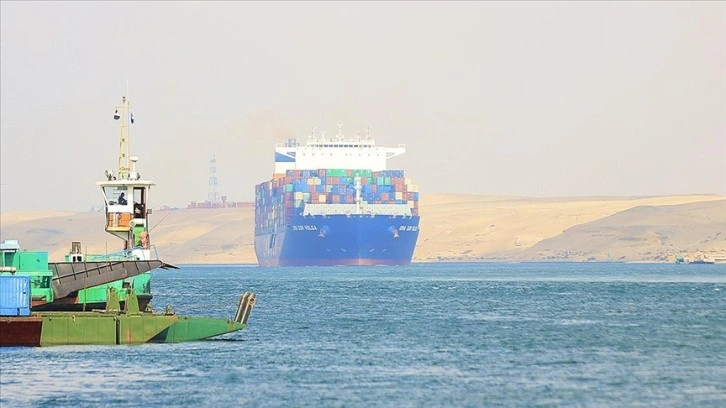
(498, 98)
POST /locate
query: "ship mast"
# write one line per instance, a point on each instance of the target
(124, 146)
(126, 194)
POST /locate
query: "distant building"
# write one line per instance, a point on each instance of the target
(222, 204)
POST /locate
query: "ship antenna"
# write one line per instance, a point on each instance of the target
(126, 119)
(124, 142)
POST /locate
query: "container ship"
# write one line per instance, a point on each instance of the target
(334, 202)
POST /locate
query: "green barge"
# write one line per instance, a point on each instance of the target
(29, 286)
(112, 325)
(100, 299)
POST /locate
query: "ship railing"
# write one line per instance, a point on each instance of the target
(124, 254)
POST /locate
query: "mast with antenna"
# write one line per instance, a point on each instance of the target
(126, 194)
(124, 142)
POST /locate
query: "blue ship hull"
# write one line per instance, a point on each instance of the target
(339, 240)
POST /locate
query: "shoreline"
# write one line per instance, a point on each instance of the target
(453, 228)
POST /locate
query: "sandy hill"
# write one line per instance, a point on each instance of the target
(643, 233)
(510, 228)
(453, 228)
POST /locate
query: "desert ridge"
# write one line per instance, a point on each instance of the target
(452, 228)
(474, 227)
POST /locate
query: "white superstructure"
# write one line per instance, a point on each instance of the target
(126, 194)
(339, 152)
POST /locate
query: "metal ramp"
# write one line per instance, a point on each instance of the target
(69, 277)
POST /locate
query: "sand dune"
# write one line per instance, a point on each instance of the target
(453, 228)
(643, 233)
(501, 228)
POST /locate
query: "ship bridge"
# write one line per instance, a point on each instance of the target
(339, 152)
(126, 207)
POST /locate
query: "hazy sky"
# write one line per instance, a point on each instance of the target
(510, 98)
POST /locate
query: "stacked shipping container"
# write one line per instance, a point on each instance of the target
(285, 195)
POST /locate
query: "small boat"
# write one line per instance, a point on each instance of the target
(701, 261)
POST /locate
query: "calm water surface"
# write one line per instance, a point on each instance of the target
(425, 335)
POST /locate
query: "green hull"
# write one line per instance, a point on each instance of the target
(86, 328)
(116, 326)
(192, 328)
(105, 328)
(109, 326)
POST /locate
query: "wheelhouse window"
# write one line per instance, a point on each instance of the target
(139, 202)
(116, 195)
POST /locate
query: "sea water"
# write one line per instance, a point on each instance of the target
(425, 335)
